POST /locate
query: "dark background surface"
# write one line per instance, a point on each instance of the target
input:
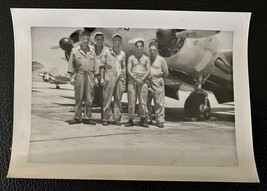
(257, 67)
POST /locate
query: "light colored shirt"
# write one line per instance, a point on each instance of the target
(80, 61)
(103, 58)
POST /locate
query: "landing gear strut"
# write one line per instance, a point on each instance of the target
(197, 105)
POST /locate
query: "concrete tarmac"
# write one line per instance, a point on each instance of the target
(180, 143)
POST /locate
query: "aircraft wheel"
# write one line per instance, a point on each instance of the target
(57, 86)
(195, 106)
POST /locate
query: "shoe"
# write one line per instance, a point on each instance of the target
(118, 123)
(89, 121)
(161, 125)
(105, 123)
(74, 121)
(129, 123)
(143, 123)
(150, 123)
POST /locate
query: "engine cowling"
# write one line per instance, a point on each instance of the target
(168, 43)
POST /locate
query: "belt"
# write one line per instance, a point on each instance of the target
(86, 72)
(138, 75)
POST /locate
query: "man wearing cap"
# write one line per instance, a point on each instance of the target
(81, 70)
(138, 69)
(104, 59)
(120, 77)
(158, 71)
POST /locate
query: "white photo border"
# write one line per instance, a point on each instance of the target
(24, 19)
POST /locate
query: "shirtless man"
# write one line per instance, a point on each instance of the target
(120, 78)
(159, 71)
(138, 71)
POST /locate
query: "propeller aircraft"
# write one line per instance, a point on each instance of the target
(198, 61)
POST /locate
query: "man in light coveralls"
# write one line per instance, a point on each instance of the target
(158, 71)
(138, 69)
(120, 77)
(104, 58)
(81, 69)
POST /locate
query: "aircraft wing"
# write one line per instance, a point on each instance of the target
(60, 80)
(47, 77)
(175, 81)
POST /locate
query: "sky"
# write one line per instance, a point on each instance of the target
(42, 41)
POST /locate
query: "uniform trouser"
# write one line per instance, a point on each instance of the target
(134, 91)
(108, 90)
(118, 92)
(158, 95)
(84, 91)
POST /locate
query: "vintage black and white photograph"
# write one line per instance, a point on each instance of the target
(132, 96)
(122, 97)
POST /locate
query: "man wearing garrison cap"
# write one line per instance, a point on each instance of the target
(138, 69)
(158, 71)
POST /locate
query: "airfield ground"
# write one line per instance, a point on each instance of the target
(181, 143)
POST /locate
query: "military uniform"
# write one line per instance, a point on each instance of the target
(158, 92)
(119, 83)
(108, 88)
(135, 91)
(82, 66)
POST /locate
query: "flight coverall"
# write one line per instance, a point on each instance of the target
(109, 85)
(158, 95)
(119, 84)
(83, 66)
(135, 91)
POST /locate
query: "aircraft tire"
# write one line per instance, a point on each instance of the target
(194, 105)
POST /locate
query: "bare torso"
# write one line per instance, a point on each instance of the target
(139, 64)
(119, 61)
(159, 67)
(156, 67)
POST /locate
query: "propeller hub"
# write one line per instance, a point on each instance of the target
(168, 43)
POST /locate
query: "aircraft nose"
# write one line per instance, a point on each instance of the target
(168, 43)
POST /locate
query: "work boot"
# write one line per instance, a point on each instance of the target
(74, 121)
(161, 125)
(143, 122)
(89, 121)
(105, 123)
(129, 123)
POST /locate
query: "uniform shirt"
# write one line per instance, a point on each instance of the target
(103, 58)
(119, 61)
(81, 62)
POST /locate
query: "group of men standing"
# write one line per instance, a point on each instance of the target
(91, 67)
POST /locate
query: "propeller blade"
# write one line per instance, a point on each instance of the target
(55, 47)
(134, 40)
(195, 34)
